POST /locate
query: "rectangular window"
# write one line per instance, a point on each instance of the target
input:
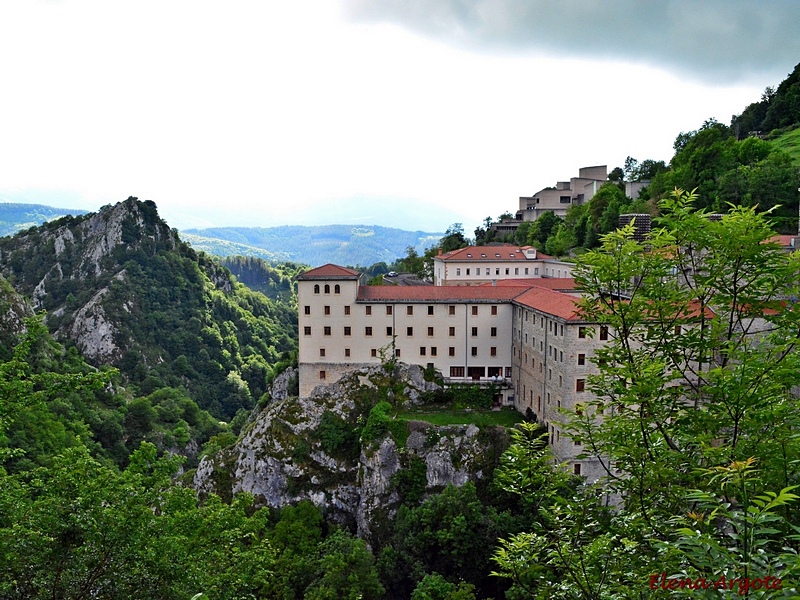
(326, 331)
(410, 331)
(451, 351)
(497, 271)
(430, 310)
(306, 310)
(430, 331)
(322, 374)
(493, 332)
(456, 371)
(367, 331)
(409, 310)
(433, 351)
(368, 310)
(452, 331)
(576, 468)
(580, 385)
(347, 311)
(397, 352)
(526, 270)
(581, 332)
(306, 330)
(467, 271)
(478, 271)
(474, 311)
(506, 270)
(508, 371)
(494, 310)
(581, 359)
(493, 351)
(458, 272)
(322, 351)
(389, 309)
(516, 270)
(373, 352)
(451, 310)
(474, 351)
(535, 270)
(474, 332)
(422, 351)
(603, 333)
(347, 330)
(389, 331)
(327, 310)
(347, 352)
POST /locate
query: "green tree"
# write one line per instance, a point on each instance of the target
(697, 375)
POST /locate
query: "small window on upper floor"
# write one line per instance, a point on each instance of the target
(316, 288)
(327, 288)
(337, 289)
(494, 310)
(430, 310)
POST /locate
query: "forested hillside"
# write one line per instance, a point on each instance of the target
(123, 288)
(274, 280)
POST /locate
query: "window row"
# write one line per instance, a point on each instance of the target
(478, 372)
(487, 271)
(348, 330)
(327, 288)
(389, 309)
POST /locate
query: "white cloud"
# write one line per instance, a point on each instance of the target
(253, 113)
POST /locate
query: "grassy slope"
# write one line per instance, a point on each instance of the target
(789, 142)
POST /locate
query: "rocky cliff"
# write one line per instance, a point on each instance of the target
(315, 448)
(13, 311)
(121, 286)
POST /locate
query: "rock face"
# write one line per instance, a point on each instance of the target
(13, 311)
(286, 453)
(72, 255)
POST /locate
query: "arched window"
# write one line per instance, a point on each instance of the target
(316, 288)
(327, 289)
(336, 289)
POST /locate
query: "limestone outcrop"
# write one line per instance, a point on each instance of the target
(289, 451)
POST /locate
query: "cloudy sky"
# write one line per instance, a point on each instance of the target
(410, 113)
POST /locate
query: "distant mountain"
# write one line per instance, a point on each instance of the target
(341, 244)
(16, 217)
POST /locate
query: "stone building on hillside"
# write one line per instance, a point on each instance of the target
(477, 265)
(578, 190)
(522, 335)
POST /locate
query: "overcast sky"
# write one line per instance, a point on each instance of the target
(409, 113)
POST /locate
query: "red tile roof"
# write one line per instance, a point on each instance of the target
(550, 302)
(783, 240)
(330, 271)
(549, 283)
(491, 253)
(422, 293)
